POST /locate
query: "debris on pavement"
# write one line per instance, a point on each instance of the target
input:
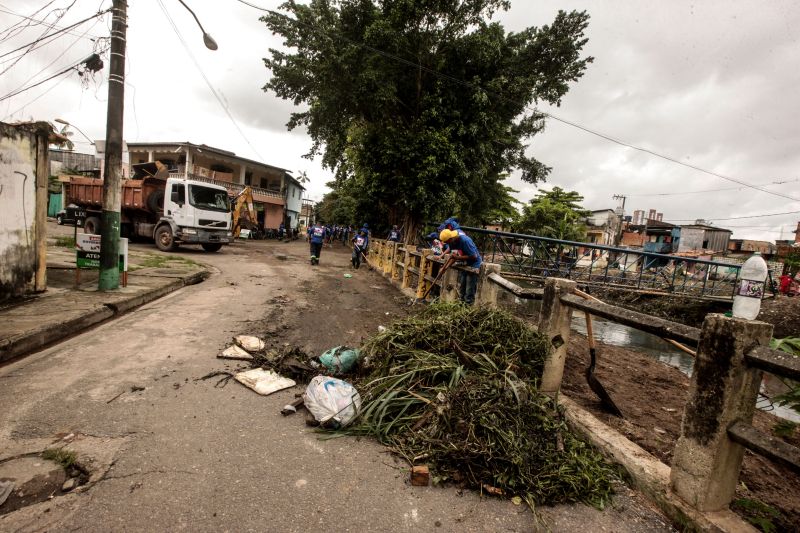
(339, 360)
(236, 353)
(420, 476)
(456, 386)
(333, 403)
(291, 408)
(250, 343)
(264, 382)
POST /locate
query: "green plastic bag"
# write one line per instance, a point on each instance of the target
(340, 360)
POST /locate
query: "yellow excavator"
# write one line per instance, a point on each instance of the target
(244, 213)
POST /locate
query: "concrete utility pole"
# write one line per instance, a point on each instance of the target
(618, 236)
(110, 221)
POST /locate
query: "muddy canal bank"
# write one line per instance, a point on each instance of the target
(649, 381)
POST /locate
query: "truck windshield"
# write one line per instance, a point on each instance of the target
(208, 198)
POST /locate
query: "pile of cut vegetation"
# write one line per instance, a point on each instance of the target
(454, 387)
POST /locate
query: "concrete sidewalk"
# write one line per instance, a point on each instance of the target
(65, 309)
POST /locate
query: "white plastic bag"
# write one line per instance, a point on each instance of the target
(264, 382)
(332, 401)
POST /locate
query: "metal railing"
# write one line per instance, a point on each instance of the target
(530, 256)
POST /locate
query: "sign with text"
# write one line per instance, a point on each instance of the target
(87, 249)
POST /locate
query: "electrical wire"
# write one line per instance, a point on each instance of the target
(59, 56)
(524, 106)
(19, 25)
(636, 195)
(737, 218)
(38, 22)
(59, 82)
(58, 32)
(208, 82)
(57, 74)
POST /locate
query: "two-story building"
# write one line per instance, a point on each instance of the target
(277, 195)
(602, 227)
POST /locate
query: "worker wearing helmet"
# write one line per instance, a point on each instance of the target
(470, 256)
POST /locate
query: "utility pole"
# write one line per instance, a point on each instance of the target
(618, 237)
(112, 182)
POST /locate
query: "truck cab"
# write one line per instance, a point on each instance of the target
(194, 212)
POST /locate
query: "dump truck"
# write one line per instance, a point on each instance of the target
(171, 211)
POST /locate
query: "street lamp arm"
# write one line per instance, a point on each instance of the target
(209, 41)
(62, 121)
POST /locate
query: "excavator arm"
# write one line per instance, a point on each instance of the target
(244, 212)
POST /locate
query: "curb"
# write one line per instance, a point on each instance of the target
(47, 334)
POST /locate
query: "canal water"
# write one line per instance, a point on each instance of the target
(616, 334)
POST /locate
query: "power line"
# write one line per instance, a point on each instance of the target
(59, 56)
(739, 218)
(87, 61)
(524, 106)
(18, 26)
(63, 30)
(38, 21)
(710, 190)
(208, 82)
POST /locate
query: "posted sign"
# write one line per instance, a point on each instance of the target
(88, 252)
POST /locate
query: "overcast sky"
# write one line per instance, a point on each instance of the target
(713, 84)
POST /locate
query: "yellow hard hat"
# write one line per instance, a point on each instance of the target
(447, 234)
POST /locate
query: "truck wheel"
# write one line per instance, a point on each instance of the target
(211, 246)
(91, 225)
(155, 202)
(165, 240)
(59, 220)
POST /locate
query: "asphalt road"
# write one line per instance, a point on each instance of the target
(184, 455)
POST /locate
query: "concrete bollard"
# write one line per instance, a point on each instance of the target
(487, 290)
(723, 390)
(408, 260)
(554, 322)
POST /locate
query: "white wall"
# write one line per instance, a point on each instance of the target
(18, 221)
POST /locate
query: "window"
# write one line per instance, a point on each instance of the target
(178, 194)
(264, 183)
(208, 198)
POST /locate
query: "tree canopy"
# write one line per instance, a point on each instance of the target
(421, 107)
(556, 214)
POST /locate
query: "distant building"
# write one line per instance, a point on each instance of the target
(602, 227)
(747, 247)
(307, 212)
(702, 236)
(652, 235)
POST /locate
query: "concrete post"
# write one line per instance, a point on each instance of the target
(488, 290)
(424, 269)
(449, 290)
(554, 322)
(396, 255)
(407, 260)
(723, 390)
(388, 259)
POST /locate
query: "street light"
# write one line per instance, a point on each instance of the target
(209, 41)
(62, 121)
(112, 183)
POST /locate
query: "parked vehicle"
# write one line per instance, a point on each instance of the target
(171, 211)
(71, 216)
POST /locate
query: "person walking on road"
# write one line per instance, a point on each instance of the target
(470, 256)
(359, 248)
(316, 236)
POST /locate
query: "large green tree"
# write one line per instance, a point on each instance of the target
(420, 107)
(556, 214)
